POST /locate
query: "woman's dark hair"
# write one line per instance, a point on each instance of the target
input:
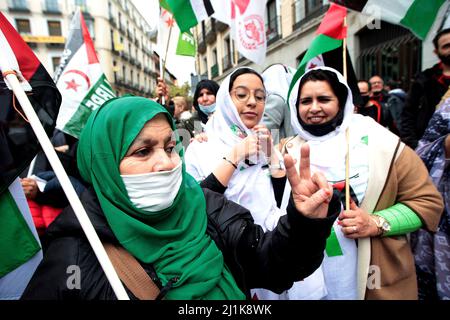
(212, 87)
(339, 89)
(240, 72)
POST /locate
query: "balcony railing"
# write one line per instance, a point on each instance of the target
(201, 47)
(125, 56)
(210, 31)
(113, 21)
(220, 26)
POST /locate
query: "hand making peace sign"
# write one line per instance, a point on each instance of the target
(311, 194)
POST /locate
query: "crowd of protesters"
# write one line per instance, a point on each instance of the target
(243, 195)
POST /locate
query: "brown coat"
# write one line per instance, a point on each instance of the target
(396, 174)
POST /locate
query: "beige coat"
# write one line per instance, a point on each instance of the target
(396, 174)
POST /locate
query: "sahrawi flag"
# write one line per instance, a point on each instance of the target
(188, 13)
(246, 21)
(80, 79)
(20, 250)
(18, 143)
(416, 15)
(180, 43)
(327, 49)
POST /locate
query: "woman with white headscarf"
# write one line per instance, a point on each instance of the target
(238, 155)
(239, 152)
(367, 255)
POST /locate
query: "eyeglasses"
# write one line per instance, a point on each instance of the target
(242, 94)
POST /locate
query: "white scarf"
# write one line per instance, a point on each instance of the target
(250, 186)
(328, 155)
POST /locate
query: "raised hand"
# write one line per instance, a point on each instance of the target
(311, 194)
(162, 90)
(247, 148)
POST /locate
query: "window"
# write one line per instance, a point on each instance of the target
(312, 5)
(214, 55)
(51, 6)
(115, 69)
(55, 62)
(19, 4)
(214, 67)
(271, 26)
(90, 27)
(54, 28)
(110, 10)
(23, 26)
(205, 65)
(81, 3)
(124, 73)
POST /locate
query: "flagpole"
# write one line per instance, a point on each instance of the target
(167, 49)
(11, 78)
(347, 136)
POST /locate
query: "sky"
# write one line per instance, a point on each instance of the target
(180, 66)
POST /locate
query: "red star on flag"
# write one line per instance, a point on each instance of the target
(72, 85)
(170, 22)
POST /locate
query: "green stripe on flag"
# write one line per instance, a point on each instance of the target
(165, 5)
(421, 16)
(186, 45)
(94, 99)
(320, 45)
(183, 14)
(18, 244)
(333, 248)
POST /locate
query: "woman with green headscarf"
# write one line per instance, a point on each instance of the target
(192, 242)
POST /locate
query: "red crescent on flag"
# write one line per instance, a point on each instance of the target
(80, 73)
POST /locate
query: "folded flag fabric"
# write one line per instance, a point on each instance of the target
(188, 13)
(80, 79)
(327, 49)
(179, 43)
(416, 15)
(20, 252)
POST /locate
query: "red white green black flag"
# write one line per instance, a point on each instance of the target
(80, 79)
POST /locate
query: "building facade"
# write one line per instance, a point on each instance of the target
(123, 40)
(375, 46)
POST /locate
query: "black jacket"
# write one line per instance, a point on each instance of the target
(425, 93)
(272, 260)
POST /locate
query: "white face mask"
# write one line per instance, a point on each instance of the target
(154, 191)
